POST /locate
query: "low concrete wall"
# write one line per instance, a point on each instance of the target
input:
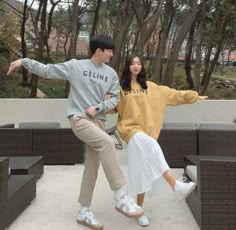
(19, 110)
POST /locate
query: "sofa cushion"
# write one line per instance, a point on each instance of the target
(40, 124)
(191, 171)
(180, 125)
(217, 126)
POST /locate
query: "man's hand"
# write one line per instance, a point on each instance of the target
(91, 111)
(14, 65)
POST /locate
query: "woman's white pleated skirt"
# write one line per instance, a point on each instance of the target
(146, 164)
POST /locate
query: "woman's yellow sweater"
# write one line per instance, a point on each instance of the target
(143, 110)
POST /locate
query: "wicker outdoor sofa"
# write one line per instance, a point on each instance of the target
(208, 146)
(213, 168)
(179, 139)
(16, 193)
(55, 145)
(213, 202)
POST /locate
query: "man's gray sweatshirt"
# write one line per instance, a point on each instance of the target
(89, 83)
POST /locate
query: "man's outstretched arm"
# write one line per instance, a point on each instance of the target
(59, 71)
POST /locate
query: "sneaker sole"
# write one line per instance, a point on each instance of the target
(89, 225)
(142, 224)
(188, 192)
(129, 215)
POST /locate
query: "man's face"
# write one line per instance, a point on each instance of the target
(106, 55)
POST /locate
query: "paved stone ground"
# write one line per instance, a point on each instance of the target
(56, 206)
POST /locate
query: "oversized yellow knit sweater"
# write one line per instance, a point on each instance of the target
(143, 110)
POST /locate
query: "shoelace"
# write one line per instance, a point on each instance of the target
(129, 201)
(90, 215)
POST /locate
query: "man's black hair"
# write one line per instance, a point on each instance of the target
(101, 41)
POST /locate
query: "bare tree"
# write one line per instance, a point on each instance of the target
(188, 57)
(221, 21)
(123, 22)
(162, 43)
(147, 15)
(199, 38)
(182, 32)
(39, 22)
(95, 18)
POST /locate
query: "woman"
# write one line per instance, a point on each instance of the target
(140, 116)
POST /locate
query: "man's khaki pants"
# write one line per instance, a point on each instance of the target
(99, 147)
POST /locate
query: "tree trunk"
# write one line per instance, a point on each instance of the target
(165, 28)
(41, 45)
(188, 57)
(125, 19)
(73, 40)
(199, 36)
(95, 19)
(206, 63)
(147, 21)
(23, 43)
(222, 32)
(187, 22)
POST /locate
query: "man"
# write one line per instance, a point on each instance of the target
(90, 80)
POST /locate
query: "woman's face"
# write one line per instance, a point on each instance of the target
(135, 67)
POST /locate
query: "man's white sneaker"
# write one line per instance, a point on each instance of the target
(143, 221)
(128, 207)
(89, 220)
(183, 189)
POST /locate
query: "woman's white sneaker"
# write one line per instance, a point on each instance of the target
(143, 221)
(89, 220)
(183, 189)
(128, 207)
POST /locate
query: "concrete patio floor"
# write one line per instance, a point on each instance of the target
(56, 206)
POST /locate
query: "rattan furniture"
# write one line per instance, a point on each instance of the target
(213, 202)
(176, 140)
(3, 191)
(55, 145)
(58, 146)
(9, 125)
(27, 166)
(16, 193)
(15, 142)
(217, 138)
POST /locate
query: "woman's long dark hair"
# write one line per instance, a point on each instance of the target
(125, 79)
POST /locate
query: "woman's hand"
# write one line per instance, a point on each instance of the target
(202, 97)
(108, 96)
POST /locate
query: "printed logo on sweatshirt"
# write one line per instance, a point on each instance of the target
(136, 91)
(94, 76)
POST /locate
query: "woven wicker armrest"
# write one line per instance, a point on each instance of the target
(16, 193)
(58, 146)
(15, 142)
(4, 164)
(217, 138)
(178, 139)
(213, 203)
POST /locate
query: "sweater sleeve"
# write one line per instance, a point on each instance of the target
(50, 71)
(178, 97)
(108, 105)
